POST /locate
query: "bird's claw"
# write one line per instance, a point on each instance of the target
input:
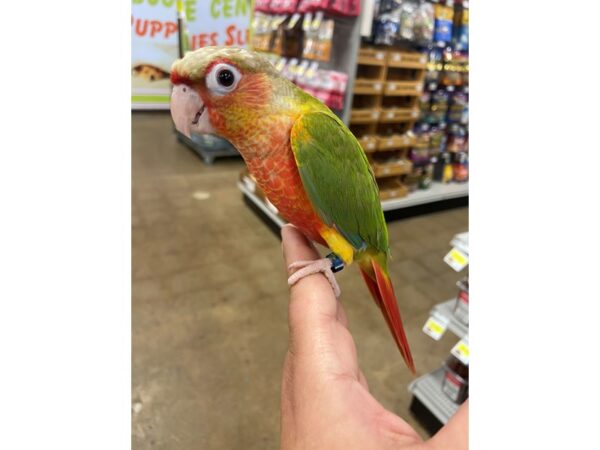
(327, 266)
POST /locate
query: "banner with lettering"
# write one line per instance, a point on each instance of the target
(154, 40)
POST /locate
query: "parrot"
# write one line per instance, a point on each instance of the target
(302, 156)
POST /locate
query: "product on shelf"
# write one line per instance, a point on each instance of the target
(408, 21)
(447, 169)
(444, 16)
(329, 86)
(456, 380)
(461, 27)
(461, 306)
(424, 23)
(460, 168)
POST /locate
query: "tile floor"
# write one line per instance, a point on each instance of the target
(209, 328)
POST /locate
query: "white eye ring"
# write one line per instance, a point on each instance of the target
(217, 79)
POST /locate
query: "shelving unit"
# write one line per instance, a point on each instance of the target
(384, 109)
(444, 310)
(437, 192)
(250, 194)
(430, 404)
(428, 391)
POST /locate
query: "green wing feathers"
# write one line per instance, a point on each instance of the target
(338, 180)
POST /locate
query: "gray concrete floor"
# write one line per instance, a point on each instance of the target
(209, 311)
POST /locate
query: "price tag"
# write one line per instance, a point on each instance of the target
(397, 57)
(293, 21)
(390, 115)
(371, 145)
(316, 23)
(461, 351)
(414, 113)
(435, 327)
(391, 86)
(379, 55)
(377, 86)
(308, 17)
(456, 259)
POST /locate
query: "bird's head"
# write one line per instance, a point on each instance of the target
(216, 87)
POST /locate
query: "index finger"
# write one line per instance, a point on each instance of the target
(312, 302)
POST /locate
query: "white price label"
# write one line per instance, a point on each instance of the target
(293, 21)
(415, 113)
(397, 56)
(461, 351)
(377, 86)
(371, 145)
(435, 327)
(390, 115)
(379, 55)
(391, 86)
(456, 259)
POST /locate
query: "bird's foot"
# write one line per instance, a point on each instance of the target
(327, 266)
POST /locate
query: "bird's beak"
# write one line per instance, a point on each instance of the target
(189, 112)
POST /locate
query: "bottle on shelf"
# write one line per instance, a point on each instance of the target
(456, 380)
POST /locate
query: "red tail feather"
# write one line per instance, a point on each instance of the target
(381, 289)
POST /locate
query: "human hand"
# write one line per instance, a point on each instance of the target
(325, 399)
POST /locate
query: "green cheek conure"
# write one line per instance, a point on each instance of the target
(305, 160)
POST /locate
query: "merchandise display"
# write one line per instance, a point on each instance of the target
(300, 35)
(456, 379)
(436, 395)
(430, 103)
(407, 99)
(386, 91)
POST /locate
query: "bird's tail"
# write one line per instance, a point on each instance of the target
(373, 268)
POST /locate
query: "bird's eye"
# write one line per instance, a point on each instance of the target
(225, 77)
(222, 79)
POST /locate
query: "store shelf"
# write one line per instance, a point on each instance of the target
(371, 57)
(461, 242)
(261, 204)
(437, 192)
(428, 389)
(370, 115)
(394, 168)
(445, 310)
(394, 142)
(395, 115)
(368, 87)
